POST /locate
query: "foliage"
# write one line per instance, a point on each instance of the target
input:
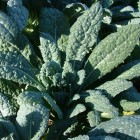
(69, 70)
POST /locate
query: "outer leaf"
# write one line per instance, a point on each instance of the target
(8, 28)
(7, 129)
(94, 118)
(129, 71)
(117, 47)
(100, 103)
(32, 121)
(130, 106)
(39, 98)
(16, 11)
(114, 87)
(7, 108)
(49, 50)
(84, 35)
(54, 23)
(125, 127)
(13, 66)
(27, 50)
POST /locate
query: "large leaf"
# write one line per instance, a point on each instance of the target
(39, 98)
(54, 23)
(107, 3)
(125, 127)
(117, 47)
(32, 121)
(83, 35)
(8, 29)
(114, 87)
(16, 10)
(13, 66)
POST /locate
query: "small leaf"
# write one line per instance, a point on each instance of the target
(47, 73)
(98, 101)
(94, 118)
(32, 121)
(49, 49)
(79, 108)
(117, 47)
(129, 106)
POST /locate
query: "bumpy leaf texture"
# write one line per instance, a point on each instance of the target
(53, 22)
(117, 47)
(8, 29)
(18, 13)
(83, 35)
(126, 127)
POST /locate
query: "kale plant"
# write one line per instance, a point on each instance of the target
(81, 83)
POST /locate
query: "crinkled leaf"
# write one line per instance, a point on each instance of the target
(83, 35)
(7, 129)
(125, 127)
(7, 108)
(47, 73)
(16, 11)
(27, 49)
(94, 118)
(129, 106)
(129, 71)
(98, 101)
(8, 28)
(49, 49)
(53, 22)
(117, 47)
(13, 66)
(32, 120)
(39, 98)
(114, 87)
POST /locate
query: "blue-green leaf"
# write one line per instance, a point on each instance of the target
(16, 11)
(117, 47)
(53, 22)
(8, 28)
(32, 121)
(125, 127)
